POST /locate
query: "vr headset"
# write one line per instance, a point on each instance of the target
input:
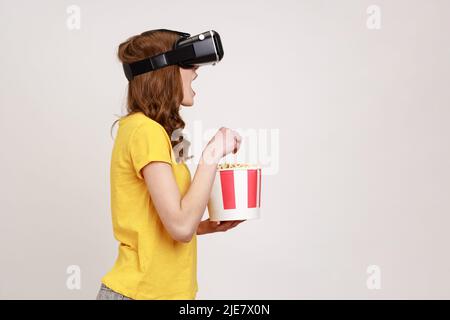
(188, 52)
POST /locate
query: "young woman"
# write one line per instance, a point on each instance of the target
(156, 208)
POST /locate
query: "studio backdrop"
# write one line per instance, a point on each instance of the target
(345, 104)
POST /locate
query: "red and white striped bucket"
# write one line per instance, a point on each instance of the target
(236, 194)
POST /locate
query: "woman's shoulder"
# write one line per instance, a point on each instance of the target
(139, 121)
(138, 129)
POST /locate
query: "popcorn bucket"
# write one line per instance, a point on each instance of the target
(236, 193)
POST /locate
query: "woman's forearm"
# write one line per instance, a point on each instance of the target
(194, 202)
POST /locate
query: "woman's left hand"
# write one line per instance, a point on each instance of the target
(207, 226)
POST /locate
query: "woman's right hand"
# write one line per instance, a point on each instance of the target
(224, 142)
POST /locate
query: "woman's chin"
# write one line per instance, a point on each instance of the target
(188, 103)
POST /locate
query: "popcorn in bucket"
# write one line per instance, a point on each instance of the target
(236, 192)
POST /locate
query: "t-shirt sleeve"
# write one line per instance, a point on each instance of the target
(149, 143)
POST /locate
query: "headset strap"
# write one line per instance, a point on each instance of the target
(159, 61)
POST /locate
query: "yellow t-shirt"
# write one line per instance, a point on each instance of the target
(150, 264)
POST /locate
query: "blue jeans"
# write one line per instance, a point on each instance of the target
(106, 293)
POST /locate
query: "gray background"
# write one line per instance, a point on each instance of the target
(363, 152)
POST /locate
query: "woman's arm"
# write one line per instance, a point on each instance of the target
(181, 215)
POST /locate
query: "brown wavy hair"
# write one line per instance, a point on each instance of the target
(157, 94)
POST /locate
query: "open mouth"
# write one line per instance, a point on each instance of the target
(193, 92)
